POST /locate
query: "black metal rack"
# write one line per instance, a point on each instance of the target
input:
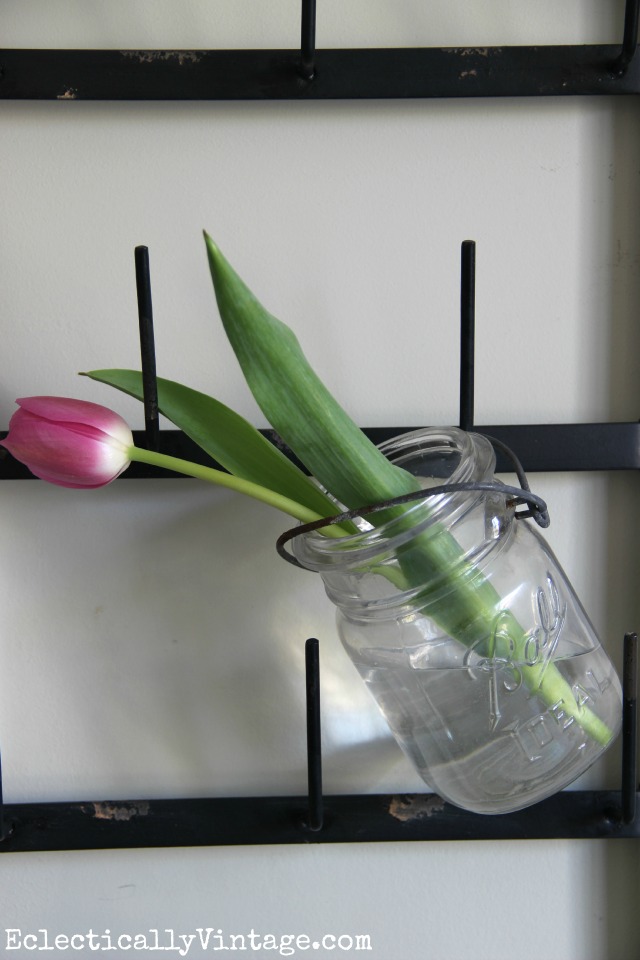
(332, 74)
(311, 74)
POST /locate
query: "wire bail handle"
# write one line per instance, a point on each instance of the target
(536, 506)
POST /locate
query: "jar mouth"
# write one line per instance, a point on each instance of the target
(434, 455)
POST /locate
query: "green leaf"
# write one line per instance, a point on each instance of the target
(296, 403)
(226, 436)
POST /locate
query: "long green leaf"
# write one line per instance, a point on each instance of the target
(226, 436)
(295, 401)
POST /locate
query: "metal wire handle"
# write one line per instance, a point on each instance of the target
(537, 507)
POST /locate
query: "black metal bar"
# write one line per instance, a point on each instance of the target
(543, 448)
(548, 448)
(230, 821)
(308, 40)
(630, 37)
(147, 349)
(391, 73)
(467, 332)
(629, 727)
(314, 741)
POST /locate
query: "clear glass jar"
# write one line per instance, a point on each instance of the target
(469, 636)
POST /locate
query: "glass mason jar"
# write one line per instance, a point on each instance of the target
(468, 634)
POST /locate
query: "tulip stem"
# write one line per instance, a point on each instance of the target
(222, 479)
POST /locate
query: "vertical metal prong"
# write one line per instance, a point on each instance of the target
(467, 332)
(308, 40)
(629, 727)
(314, 743)
(629, 39)
(147, 348)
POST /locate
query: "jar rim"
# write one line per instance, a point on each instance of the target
(475, 461)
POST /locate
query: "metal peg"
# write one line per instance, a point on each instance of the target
(147, 348)
(467, 332)
(308, 40)
(314, 745)
(629, 727)
(630, 38)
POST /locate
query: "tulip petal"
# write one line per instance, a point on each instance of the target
(67, 410)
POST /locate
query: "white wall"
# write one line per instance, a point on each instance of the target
(151, 642)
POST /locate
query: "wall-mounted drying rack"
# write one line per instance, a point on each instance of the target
(570, 814)
(309, 74)
(326, 74)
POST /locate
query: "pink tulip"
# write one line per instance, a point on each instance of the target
(72, 443)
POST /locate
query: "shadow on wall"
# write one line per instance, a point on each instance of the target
(621, 862)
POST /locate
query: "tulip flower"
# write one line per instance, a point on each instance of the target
(72, 443)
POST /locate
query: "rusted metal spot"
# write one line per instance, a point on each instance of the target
(407, 808)
(119, 811)
(69, 94)
(474, 51)
(153, 56)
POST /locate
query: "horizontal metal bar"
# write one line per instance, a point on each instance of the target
(540, 447)
(233, 821)
(512, 71)
(555, 447)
